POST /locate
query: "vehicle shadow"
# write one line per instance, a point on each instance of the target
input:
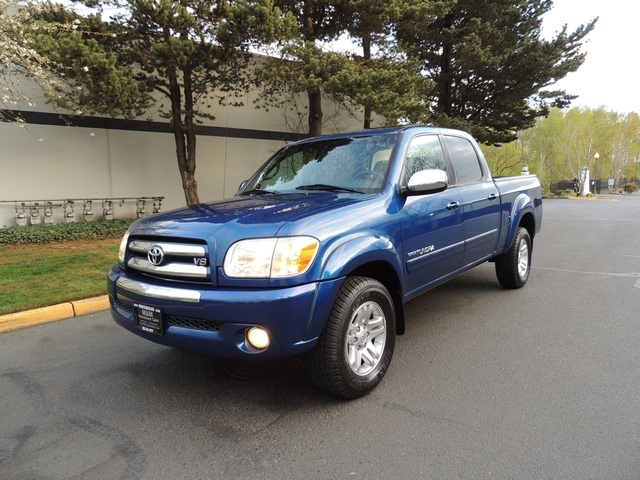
(282, 384)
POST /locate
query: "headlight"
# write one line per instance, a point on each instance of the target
(123, 248)
(270, 257)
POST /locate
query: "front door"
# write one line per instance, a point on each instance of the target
(432, 233)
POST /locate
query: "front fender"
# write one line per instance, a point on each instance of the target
(347, 257)
(353, 253)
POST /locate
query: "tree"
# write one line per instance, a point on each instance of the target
(188, 52)
(490, 65)
(403, 89)
(507, 159)
(587, 132)
(379, 80)
(541, 147)
(302, 65)
(370, 26)
(562, 145)
(18, 60)
(301, 68)
(388, 86)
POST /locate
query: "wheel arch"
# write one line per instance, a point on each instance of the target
(528, 222)
(385, 274)
(371, 256)
(522, 215)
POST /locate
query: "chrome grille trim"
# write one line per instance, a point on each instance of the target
(177, 249)
(173, 269)
(182, 261)
(154, 291)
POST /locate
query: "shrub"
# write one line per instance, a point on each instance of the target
(63, 232)
(565, 193)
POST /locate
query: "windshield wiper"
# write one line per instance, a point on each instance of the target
(328, 188)
(258, 191)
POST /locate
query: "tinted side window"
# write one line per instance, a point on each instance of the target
(424, 152)
(464, 159)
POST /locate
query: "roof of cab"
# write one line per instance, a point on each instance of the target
(377, 131)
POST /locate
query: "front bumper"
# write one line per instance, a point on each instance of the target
(215, 320)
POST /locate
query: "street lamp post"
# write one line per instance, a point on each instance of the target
(595, 174)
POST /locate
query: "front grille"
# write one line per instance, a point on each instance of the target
(127, 307)
(169, 259)
(193, 323)
(177, 321)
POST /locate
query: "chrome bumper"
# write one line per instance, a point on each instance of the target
(153, 291)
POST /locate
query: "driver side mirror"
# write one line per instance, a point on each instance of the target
(242, 185)
(426, 181)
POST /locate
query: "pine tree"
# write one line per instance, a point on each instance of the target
(381, 79)
(303, 66)
(491, 67)
(187, 52)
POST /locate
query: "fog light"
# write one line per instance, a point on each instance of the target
(258, 338)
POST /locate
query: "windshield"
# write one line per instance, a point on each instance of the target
(357, 164)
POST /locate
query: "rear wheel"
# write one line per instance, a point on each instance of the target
(513, 267)
(356, 345)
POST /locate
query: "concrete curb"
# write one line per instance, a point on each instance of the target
(593, 198)
(15, 321)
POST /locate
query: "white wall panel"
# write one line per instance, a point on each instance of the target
(45, 161)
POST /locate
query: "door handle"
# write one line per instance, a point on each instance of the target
(453, 205)
(493, 196)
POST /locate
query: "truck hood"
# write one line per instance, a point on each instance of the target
(242, 217)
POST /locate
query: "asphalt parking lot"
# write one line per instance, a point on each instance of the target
(542, 382)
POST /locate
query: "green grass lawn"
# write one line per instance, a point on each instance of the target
(33, 276)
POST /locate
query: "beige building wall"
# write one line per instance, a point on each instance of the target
(46, 162)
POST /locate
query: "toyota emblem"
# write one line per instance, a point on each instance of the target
(156, 255)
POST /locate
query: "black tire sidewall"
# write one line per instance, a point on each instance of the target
(523, 235)
(507, 264)
(368, 291)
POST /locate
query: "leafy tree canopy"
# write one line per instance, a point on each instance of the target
(478, 65)
(124, 54)
(18, 23)
(490, 65)
(562, 145)
(301, 65)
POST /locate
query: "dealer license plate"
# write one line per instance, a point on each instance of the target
(148, 318)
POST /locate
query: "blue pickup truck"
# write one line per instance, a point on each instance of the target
(319, 251)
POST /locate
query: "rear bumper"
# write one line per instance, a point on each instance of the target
(215, 320)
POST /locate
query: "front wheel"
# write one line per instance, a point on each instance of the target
(513, 266)
(355, 348)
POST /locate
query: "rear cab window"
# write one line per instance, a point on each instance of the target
(465, 161)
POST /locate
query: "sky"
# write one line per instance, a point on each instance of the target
(610, 75)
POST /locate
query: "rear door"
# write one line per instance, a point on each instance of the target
(433, 242)
(480, 201)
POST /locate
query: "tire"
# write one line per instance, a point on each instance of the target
(355, 348)
(513, 267)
